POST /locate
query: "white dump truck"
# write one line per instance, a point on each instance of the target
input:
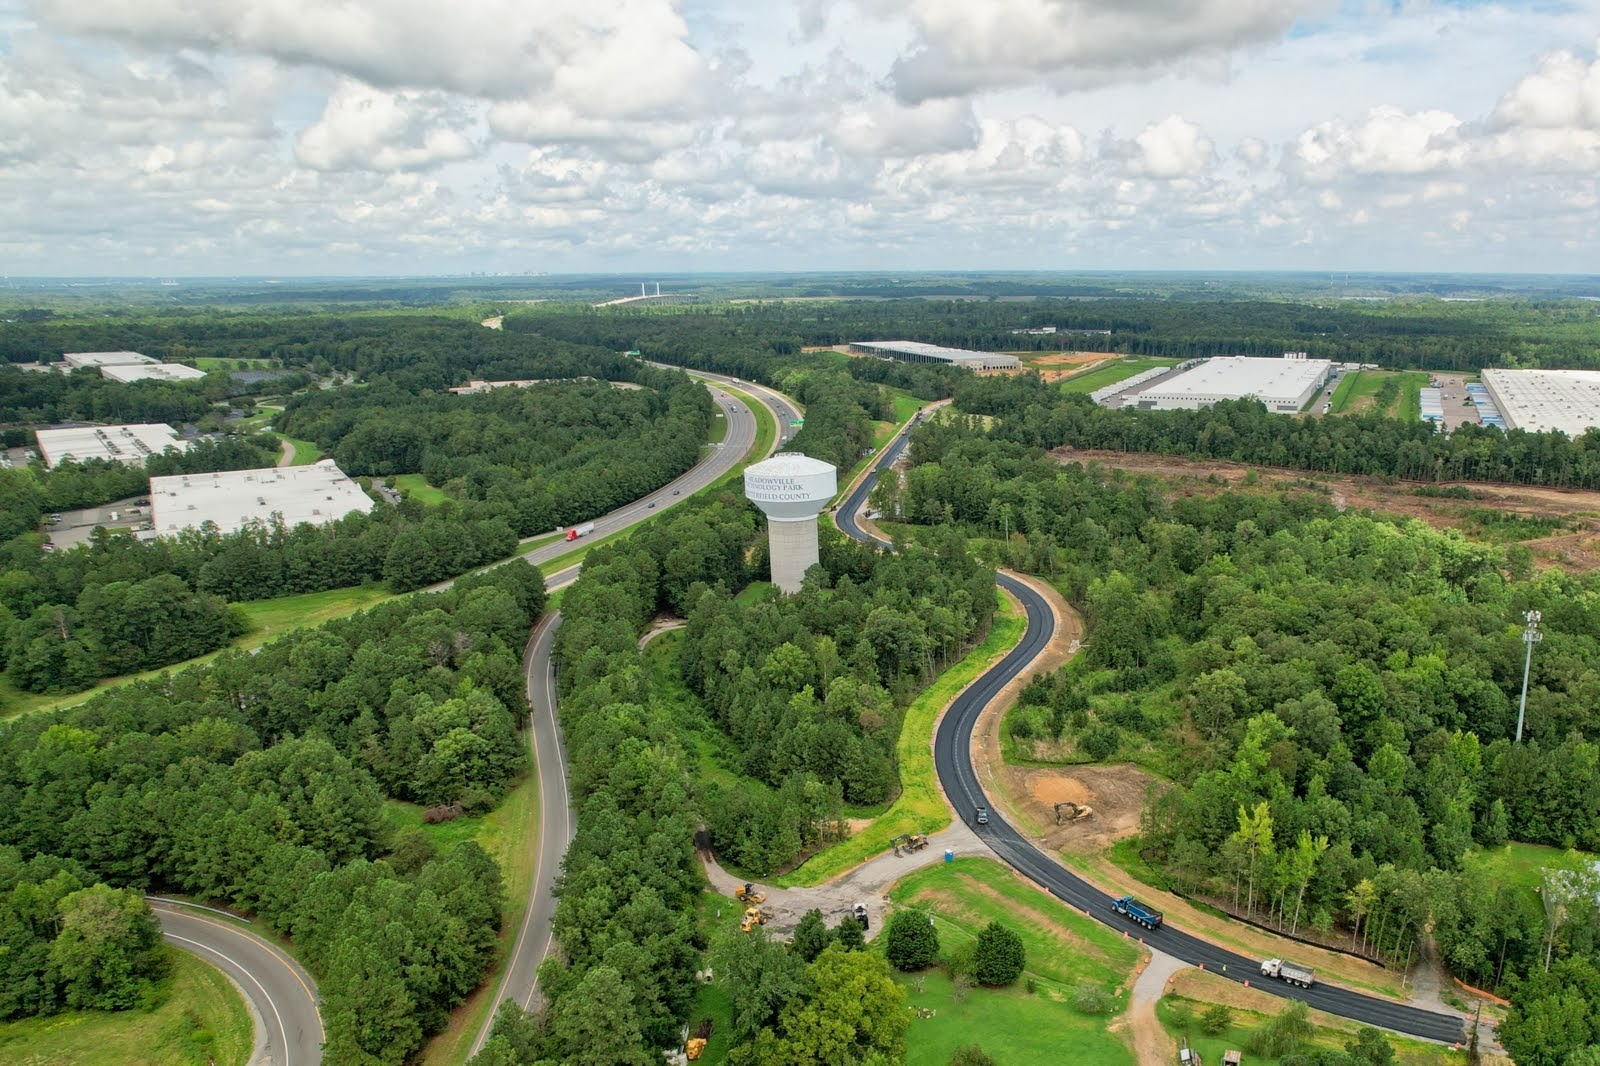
(1304, 976)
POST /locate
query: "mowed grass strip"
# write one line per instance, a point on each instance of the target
(1064, 947)
(203, 1020)
(920, 807)
(416, 487)
(1119, 370)
(509, 835)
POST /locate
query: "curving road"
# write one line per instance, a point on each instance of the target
(959, 779)
(519, 979)
(282, 996)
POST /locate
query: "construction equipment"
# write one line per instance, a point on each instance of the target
(694, 1049)
(859, 913)
(1304, 976)
(747, 893)
(1145, 915)
(1073, 811)
(1188, 1056)
(906, 843)
(753, 916)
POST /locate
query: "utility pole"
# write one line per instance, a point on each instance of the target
(1530, 637)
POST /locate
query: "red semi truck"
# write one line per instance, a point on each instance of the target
(580, 531)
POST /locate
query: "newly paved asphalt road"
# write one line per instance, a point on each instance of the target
(519, 979)
(952, 756)
(282, 995)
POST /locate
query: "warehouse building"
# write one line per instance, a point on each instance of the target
(1285, 385)
(75, 360)
(1543, 400)
(918, 352)
(150, 372)
(233, 499)
(122, 444)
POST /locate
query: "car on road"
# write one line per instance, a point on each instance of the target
(652, 503)
(981, 814)
(675, 492)
(54, 519)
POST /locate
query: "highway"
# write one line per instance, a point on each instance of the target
(519, 978)
(283, 996)
(959, 781)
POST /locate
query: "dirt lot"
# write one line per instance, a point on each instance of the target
(1575, 548)
(1060, 365)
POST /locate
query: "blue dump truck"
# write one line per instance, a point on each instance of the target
(1129, 907)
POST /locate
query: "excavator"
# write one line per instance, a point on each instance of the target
(1073, 812)
(747, 893)
(906, 843)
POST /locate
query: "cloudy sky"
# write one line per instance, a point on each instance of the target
(175, 137)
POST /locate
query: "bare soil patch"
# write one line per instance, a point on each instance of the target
(1577, 548)
(1116, 793)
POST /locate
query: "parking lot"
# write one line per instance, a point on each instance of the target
(1458, 410)
(75, 526)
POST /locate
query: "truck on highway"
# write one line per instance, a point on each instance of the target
(580, 531)
(1146, 916)
(1304, 976)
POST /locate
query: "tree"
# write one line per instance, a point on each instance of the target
(1284, 1033)
(849, 935)
(1216, 1019)
(998, 957)
(852, 1017)
(1370, 1047)
(911, 941)
(763, 978)
(810, 936)
(108, 954)
(596, 1023)
(1253, 840)
(971, 1055)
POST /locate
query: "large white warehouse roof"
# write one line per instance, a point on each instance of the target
(1544, 400)
(124, 444)
(1281, 384)
(318, 494)
(77, 359)
(150, 372)
(920, 352)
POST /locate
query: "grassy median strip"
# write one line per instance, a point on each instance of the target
(920, 807)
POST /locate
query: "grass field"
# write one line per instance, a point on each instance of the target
(1064, 950)
(305, 453)
(920, 807)
(1120, 370)
(905, 404)
(1341, 392)
(1364, 392)
(1523, 864)
(275, 617)
(416, 486)
(203, 1021)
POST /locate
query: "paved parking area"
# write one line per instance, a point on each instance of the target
(1458, 410)
(75, 526)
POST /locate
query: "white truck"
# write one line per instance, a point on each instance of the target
(1304, 976)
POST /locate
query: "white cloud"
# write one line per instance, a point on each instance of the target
(372, 129)
(1173, 148)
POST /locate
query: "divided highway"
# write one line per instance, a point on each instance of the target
(959, 781)
(519, 979)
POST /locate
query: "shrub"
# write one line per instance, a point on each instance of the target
(1101, 741)
(910, 941)
(971, 1055)
(998, 957)
(1282, 1034)
(1090, 999)
(1216, 1020)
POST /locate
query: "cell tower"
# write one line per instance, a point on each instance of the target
(791, 489)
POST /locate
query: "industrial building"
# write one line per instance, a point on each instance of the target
(150, 372)
(122, 444)
(1540, 401)
(232, 499)
(791, 489)
(1284, 385)
(75, 360)
(918, 352)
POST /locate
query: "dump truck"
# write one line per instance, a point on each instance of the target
(1146, 916)
(580, 531)
(748, 893)
(1304, 976)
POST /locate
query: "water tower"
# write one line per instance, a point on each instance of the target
(791, 489)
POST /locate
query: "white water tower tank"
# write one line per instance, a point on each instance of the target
(791, 489)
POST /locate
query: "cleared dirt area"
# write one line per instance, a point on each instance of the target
(1577, 547)
(1115, 792)
(1062, 365)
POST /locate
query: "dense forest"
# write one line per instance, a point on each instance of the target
(1332, 693)
(259, 781)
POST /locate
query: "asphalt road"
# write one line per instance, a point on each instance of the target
(952, 756)
(519, 979)
(284, 997)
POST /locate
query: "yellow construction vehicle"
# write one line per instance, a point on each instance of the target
(747, 893)
(753, 916)
(1073, 812)
(907, 843)
(695, 1048)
